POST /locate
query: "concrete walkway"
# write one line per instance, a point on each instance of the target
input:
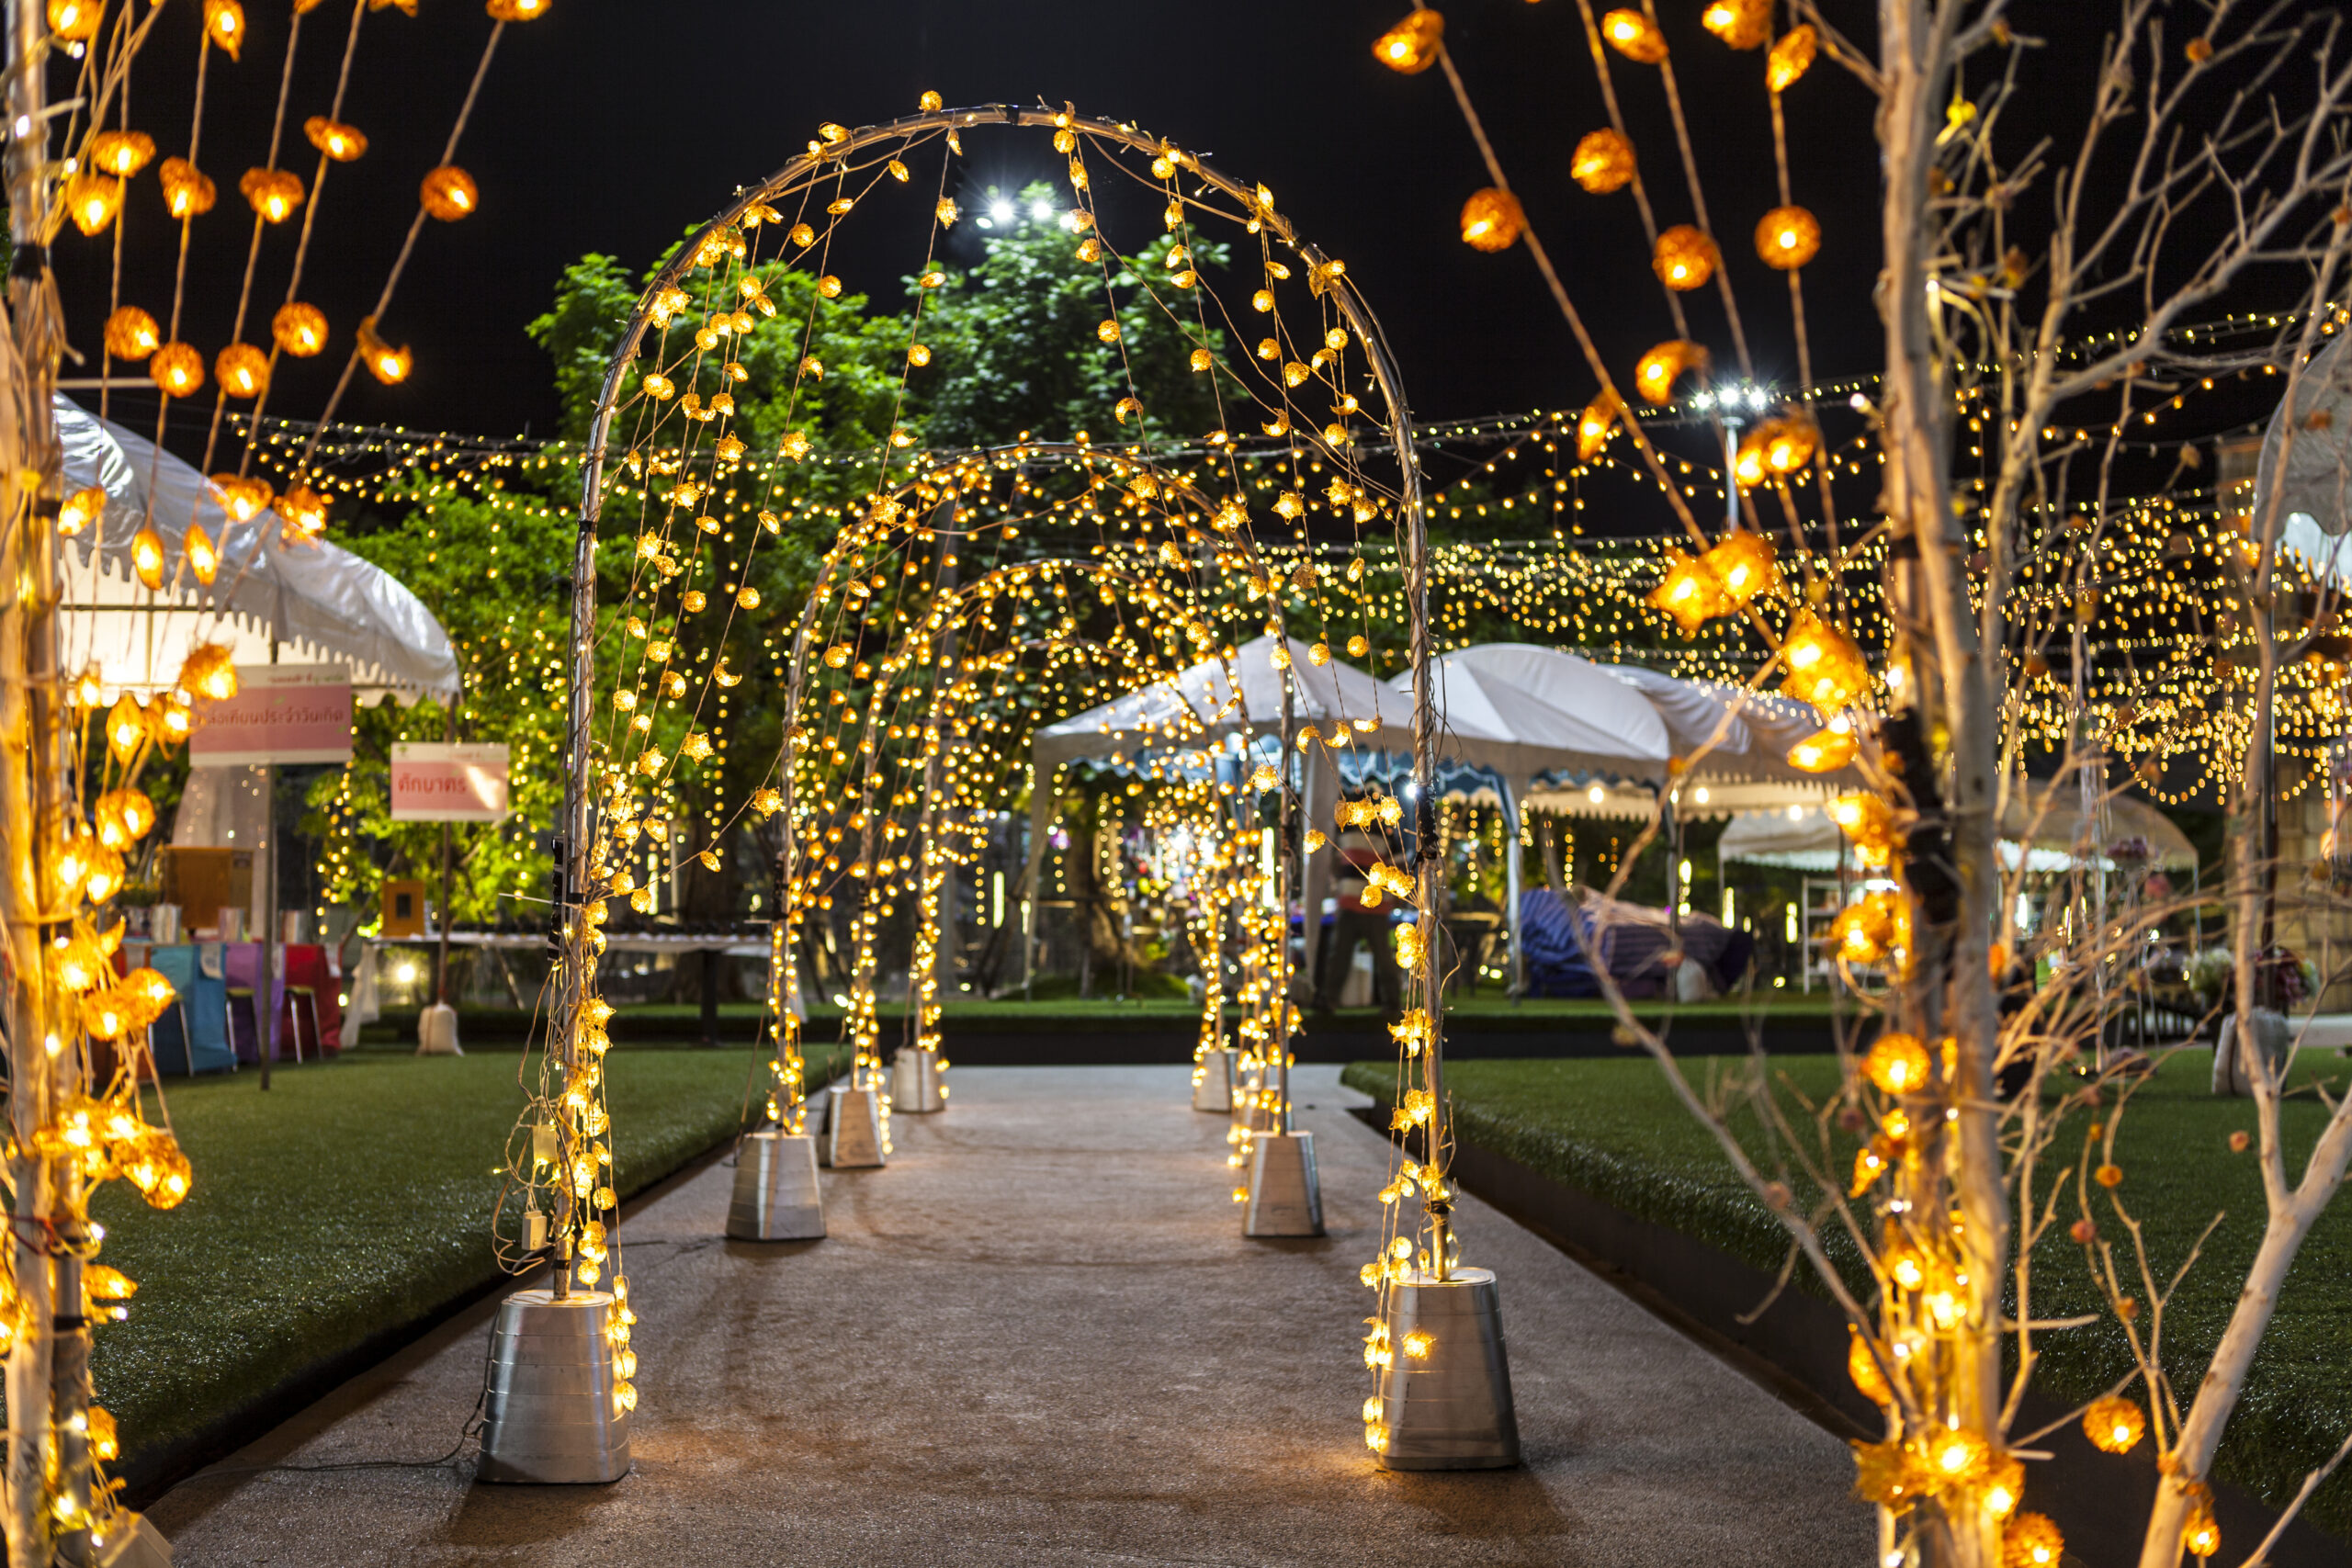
(1039, 1337)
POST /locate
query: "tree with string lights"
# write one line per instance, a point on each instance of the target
(2039, 296)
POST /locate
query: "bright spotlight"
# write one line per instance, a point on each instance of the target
(1041, 211)
(406, 972)
(1001, 212)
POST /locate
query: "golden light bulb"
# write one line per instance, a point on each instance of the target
(1635, 36)
(81, 509)
(187, 191)
(224, 25)
(273, 193)
(92, 200)
(1492, 221)
(241, 369)
(342, 142)
(1412, 46)
(449, 193)
(147, 556)
(1787, 238)
(121, 153)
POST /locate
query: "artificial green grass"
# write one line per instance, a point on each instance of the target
(1613, 1129)
(352, 1199)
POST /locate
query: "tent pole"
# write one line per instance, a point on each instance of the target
(1515, 818)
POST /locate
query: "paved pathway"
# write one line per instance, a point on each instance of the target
(1039, 1337)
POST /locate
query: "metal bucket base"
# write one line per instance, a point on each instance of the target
(1285, 1197)
(548, 1418)
(1212, 1081)
(853, 1130)
(1449, 1409)
(1247, 1081)
(914, 1083)
(133, 1542)
(777, 1197)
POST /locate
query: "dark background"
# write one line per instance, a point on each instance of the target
(615, 125)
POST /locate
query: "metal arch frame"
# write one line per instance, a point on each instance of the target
(572, 891)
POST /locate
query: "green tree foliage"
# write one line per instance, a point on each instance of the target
(489, 566)
(1016, 342)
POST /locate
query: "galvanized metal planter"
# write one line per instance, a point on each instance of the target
(550, 1415)
(914, 1083)
(1446, 1396)
(1285, 1199)
(776, 1196)
(1212, 1081)
(853, 1130)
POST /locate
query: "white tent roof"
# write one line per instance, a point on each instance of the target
(326, 605)
(2053, 814)
(1801, 837)
(1523, 710)
(1200, 706)
(1747, 733)
(1805, 838)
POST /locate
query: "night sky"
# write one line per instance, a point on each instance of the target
(614, 126)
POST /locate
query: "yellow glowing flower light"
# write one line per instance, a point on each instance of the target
(76, 21)
(209, 671)
(92, 200)
(1689, 592)
(2115, 1425)
(187, 191)
(304, 509)
(1897, 1064)
(387, 364)
(1597, 425)
(1742, 24)
(1412, 46)
(1685, 258)
(242, 370)
(449, 193)
(224, 25)
(1745, 565)
(2030, 1540)
(147, 556)
(343, 143)
(242, 496)
(1603, 162)
(301, 329)
(1492, 220)
(1635, 36)
(123, 153)
(1662, 367)
(126, 727)
(131, 334)
(1787, 238)
(1825, 667)
(1824, 752)
(81, 509)
(1791, 58)
(203, 556)
(1865, 932)
(274, 195)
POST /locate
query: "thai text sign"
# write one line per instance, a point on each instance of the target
(282, 713)
(435, 783)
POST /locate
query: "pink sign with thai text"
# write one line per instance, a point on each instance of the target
(282, 713)
(435, 783)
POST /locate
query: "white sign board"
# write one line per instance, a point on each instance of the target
(436, 783)
(282, 713)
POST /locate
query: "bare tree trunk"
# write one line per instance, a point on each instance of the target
(1943, 723)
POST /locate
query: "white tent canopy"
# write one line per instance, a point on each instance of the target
(2045, 820)
(1522, 710)
(1200, 706)
(322, 605)
(1197, 710)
